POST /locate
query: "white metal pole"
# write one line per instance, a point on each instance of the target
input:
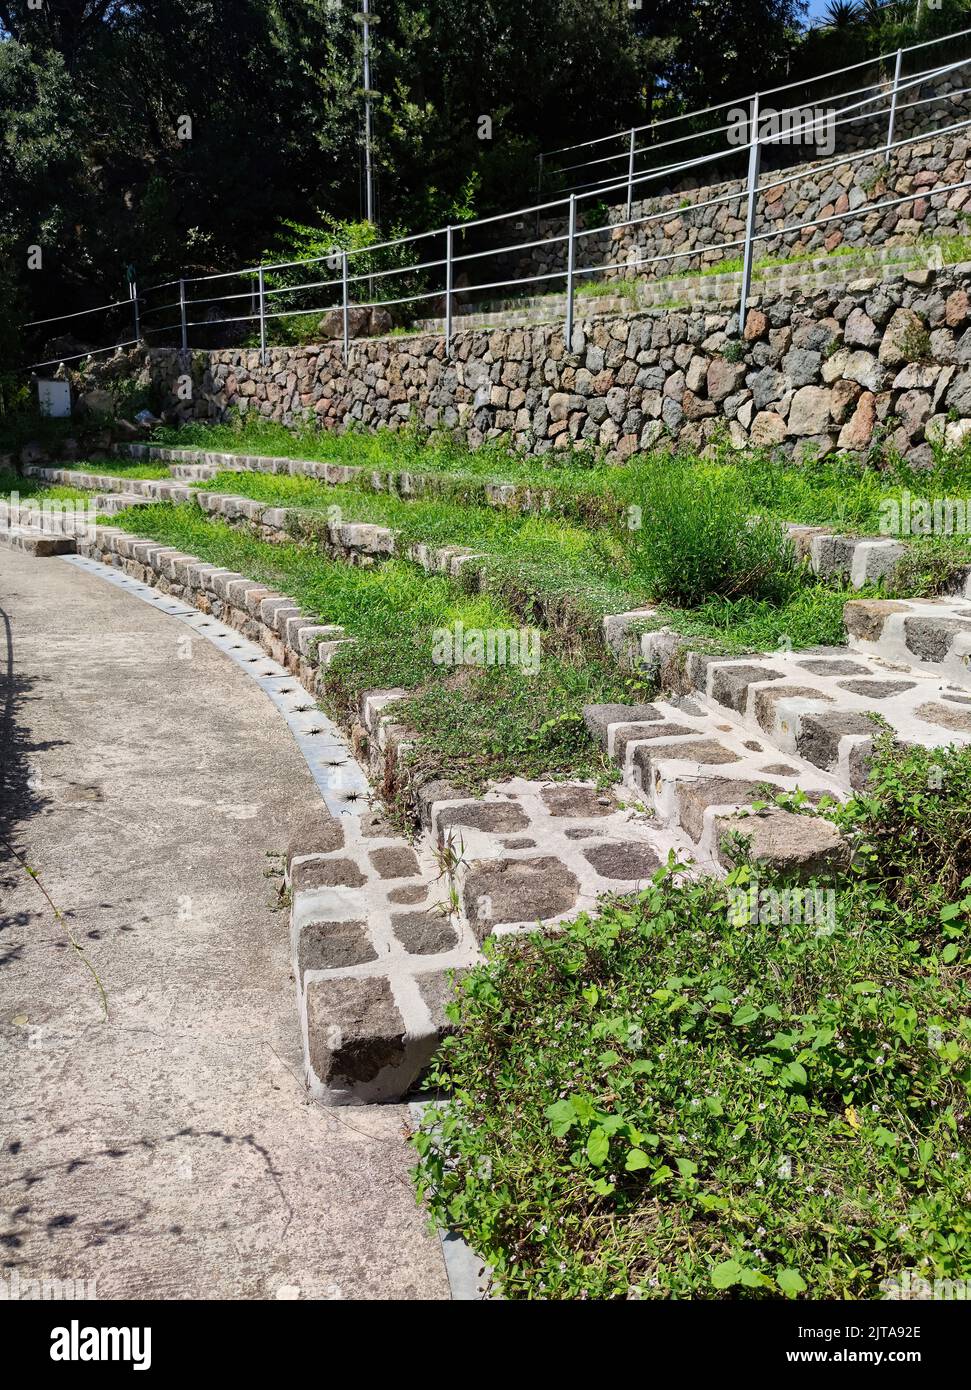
(630, 173)
(345, 314)
(448, 291)
(754, 156)
(133, 290)
(369, 175)
(570, 245)
(185, 327)
(259, 281)
(893, 100)
(539, 188)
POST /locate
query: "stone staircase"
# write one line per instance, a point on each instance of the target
(378, 924)
(741, 730)
(930, 635)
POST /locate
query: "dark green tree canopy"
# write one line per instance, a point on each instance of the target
(182, 137)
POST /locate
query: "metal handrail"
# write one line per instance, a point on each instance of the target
(750, 97)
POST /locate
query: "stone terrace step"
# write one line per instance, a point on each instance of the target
(700, 771)
(526, 852)
(827, 705)
(36, 541)
(932, 635)
(818, 272)
(525, 497)
(858, 560)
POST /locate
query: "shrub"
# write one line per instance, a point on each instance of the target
(692, 537)
(673, 1100)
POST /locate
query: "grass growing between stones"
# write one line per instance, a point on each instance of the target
(841, 490)
(474, 722)
(686, 548)
(137, 468)
(35, 490)
(810, 616)
(409, 449)
(684, 1098)
(539, 555)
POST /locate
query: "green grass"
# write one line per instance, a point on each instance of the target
(35, 490)
(682, 1099)
(137, 468)
(692, 537)
(474, 723)
(544, 555)
(386, 450)
(838, 491)
(811, 615)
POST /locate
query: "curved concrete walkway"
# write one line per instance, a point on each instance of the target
(169, 1152)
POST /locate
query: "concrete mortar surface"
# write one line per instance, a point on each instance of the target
(170, 1152)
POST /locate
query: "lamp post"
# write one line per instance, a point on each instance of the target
(366, 19)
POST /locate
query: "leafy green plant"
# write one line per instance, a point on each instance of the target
(317, 251)
(693, 537)
(676, 1099)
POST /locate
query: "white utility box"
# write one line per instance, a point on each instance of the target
(54, 398)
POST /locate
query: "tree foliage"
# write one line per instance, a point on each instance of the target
(182, 138)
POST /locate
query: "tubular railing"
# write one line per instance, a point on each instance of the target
(259, 289)
(626, 139)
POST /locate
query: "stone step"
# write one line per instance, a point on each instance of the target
(192, 472)
(932, 635)
(526, 853)
(375, 948)
(108, 504)
(144, 489)
(36, 541)
(856, 560)
(701, 772)
(828, 705)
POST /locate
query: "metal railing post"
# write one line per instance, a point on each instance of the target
(448, 291)
(893, 100)
(345, 307)
(539, 187)
(630, 172)
(754, 158)
(259, 284)
(133, 291)
(570, 251)
(185, 326)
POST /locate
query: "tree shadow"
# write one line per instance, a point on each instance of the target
(21, 794)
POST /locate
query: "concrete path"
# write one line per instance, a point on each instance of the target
(169, 1152)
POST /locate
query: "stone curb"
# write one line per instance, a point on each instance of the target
(193, 464)
(35, 541)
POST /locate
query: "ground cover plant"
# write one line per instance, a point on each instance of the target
(521, 555)
(35, 490)
(840, 490)
(473, 723)
(702, 540)
(683, 1098)
(117, 468)
(745, 588)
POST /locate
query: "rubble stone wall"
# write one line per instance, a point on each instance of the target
(690, 240)
(875, 362)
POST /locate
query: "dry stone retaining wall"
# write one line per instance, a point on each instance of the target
(692, 240)
(842, 368)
